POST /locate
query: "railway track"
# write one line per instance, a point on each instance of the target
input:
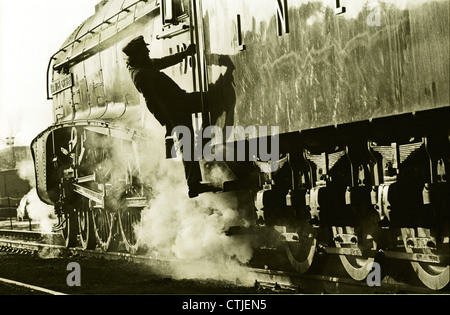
(25, 288)
(264, 279)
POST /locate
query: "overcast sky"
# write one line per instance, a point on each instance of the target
(30, 32)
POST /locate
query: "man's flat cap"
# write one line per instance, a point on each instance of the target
(134, 45)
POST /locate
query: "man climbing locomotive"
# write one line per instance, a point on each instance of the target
(171, 105)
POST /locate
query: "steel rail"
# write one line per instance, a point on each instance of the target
(275, 280)
(30, 287)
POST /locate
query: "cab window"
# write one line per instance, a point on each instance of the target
(174, 10)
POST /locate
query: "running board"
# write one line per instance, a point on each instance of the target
(98, 198)
(85, 179)
(137, 202)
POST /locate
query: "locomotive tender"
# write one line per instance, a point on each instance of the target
(359, 91)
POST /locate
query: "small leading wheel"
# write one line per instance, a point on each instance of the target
(86, 228)
(301, 251)
(128, 219)
(105, 229)
(70, 228)
(356, 264)
(435, 276)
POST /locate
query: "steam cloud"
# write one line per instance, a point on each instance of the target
(188, 230)
(31, 204)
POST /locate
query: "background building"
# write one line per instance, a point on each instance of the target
(12, 186)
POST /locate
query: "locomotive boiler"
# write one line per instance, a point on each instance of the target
(358, 92)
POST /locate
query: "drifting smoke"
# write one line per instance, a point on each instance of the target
(26, 171)
(30, 204)
(188, 230)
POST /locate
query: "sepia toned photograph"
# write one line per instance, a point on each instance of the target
(226, 153)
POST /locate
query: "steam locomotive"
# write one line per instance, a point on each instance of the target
(358, 91)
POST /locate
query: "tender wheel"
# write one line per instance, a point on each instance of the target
(301, 252)
(70, 228)
(358, 267)
(105, 229)
(86, 228)
(433, 275)
(128, 219)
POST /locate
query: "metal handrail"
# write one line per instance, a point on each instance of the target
(78, 39)
(176, 31)
(52, 58)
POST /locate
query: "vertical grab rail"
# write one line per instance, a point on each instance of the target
(50, 62)
(191, 35)
(205, 113)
